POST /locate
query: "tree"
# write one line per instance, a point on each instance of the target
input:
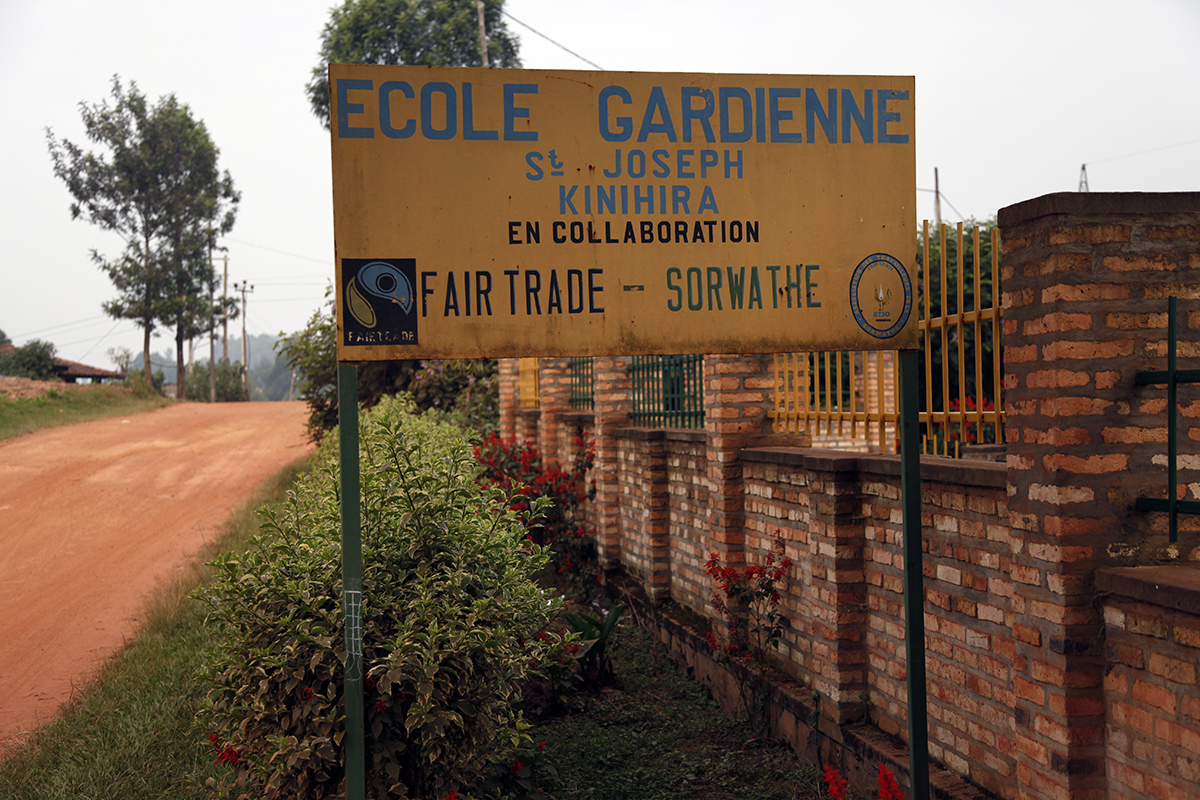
(231, 382)
(4, 338)
(35, 359)
(312, 352)
(432, 33)
(946, 299)
(158, 188)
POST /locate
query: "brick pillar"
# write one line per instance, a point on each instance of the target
(555, 393)
(837, 615)
(1086, 277)
(507, 374)
(611, 406)
(736, 401)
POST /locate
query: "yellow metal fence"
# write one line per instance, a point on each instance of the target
(848, 399)
(528, 383)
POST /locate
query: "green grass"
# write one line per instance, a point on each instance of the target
(661, 737)
(20, 415)
(129, 735)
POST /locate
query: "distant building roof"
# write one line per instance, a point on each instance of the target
(71, 371)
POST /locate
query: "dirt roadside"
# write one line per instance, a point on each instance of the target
(94, 516)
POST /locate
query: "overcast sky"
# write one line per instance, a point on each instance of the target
(1012, 97)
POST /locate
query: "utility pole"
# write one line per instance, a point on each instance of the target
(937, 200)
(482, 34)
(245, 288)
(1083, 184)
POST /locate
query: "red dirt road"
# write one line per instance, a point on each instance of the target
(94, 516)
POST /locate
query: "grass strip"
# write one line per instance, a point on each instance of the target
(22, 415)
(129, 734)
(662, 737)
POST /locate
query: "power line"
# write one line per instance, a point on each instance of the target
(65, 326)
(551, 41)
(325, 261)
(1142, 152)
(945, 199)
(101, 339)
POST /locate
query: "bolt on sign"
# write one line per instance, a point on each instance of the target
(513, 213)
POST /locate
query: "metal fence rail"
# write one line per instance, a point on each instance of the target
(528, 383)
(582, 383)
(667, 391)
(847, 400)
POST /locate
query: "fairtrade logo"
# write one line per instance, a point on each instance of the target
(382, 280)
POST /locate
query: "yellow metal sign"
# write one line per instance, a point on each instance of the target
(519, 212)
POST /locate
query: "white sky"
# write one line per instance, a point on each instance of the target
(1011, 98)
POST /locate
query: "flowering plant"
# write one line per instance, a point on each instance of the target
(835, 784)
(754, 593)
(750, 601)
(517, 470)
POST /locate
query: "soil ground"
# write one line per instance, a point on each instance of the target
(94, 516)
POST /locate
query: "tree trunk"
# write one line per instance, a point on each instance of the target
(180, 370)
(147, 373)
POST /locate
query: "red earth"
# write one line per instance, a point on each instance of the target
(94, 516)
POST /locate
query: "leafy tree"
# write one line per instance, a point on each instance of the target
(312, 352)
(465, 386)
(946, 299)
(231, 382)
(432, 33)
(35, 359)
(4, 338)
(158, 187)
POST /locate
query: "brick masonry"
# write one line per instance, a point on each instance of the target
(1060, 664)
(1086, 277)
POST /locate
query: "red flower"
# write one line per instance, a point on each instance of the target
(229, 756)
(542, 747)
(889, 789)
(834, 782)
(516, 767)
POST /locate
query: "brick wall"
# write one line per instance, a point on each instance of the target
(1056, 669)
(1086, 281)
(1152, 698)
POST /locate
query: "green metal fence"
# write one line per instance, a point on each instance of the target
(668, 391)
(582, 383)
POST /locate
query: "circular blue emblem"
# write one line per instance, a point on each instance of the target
(881, 295)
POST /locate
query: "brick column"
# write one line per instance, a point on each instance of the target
(735, 416)
(507, 374)
(1086, 277)
(611, 406)
(555, 394)
(837, 614)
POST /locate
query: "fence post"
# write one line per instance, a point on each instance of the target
(914, 597)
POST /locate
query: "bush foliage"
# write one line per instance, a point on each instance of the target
(35, 359)
(517, 469)
(452, 624)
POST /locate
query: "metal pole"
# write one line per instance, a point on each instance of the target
(914, 599)
(352, 686)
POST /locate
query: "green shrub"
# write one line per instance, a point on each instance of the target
(452, 624)
(231, 382)
(517, 469)
(35, 359)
